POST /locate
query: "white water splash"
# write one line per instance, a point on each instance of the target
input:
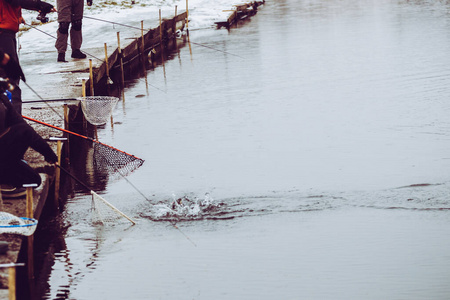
(184, 207)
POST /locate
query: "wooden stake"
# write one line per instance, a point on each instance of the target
(187, 17)
(91, 77)
(83, 94)
(66, 126)
(30, 252)
(121, 59)
(57, 173)
(12, 283)
(83, 88)
(121, 66)
(144, 59)
(174, 28)
(29, 211)
(142, 36)
(161, 44)
(66, 116)
(109, 81)
(160, 30)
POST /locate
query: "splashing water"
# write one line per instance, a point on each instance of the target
(184, 208)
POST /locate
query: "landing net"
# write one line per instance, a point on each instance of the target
(114, 161)
(98, 109)
(17, 225)
(105, 213)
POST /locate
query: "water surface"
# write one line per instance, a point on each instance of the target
(309, 147)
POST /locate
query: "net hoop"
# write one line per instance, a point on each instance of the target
(25, 226)
(98, 109)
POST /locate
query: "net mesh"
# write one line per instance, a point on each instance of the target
(105, 213)
(16, 225)
(114, 162)
(98, 109)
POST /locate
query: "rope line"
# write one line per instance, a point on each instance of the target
(115, 23)
(52, 36)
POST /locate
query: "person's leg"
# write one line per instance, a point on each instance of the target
(62, 34)
(76, 37)
(18, 173)
(8, 44)
(14, 170)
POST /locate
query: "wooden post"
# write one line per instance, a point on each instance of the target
(66, 126)
(161, 44)
(29, 207)
(91, 77)
(142, 36)
(12, 278)
(174, 29)
(83, 88)
(66, 117)
(160, 32)
(83, 94)
(12, 283)
(187, 18)
(109, 81)
(121, 65)
(57, 173)
(144, 59)
(30, 252)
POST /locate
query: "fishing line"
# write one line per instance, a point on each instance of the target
(173, 223)
(115, 149)
(94, 193)
(51, 100)
(140, 29)
(115, 23)
(52, 36)
(91, 54)
(209, 47)
(42, 99)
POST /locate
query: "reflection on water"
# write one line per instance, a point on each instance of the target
(306, 159)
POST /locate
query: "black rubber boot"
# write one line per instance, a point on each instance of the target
(62, 57)
(78, 54)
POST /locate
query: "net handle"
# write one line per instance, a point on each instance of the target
(77, 134)
(94, 194)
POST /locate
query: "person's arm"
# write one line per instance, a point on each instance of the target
(36, 141)
(36, 5)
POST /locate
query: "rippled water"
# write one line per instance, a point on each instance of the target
(303, 154)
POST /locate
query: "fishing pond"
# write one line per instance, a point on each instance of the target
(302, 154)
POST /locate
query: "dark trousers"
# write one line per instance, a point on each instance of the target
(69, 11)
(8, 44)
(13, 170)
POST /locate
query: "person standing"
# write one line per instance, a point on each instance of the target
(10, 19)
(70, 12)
